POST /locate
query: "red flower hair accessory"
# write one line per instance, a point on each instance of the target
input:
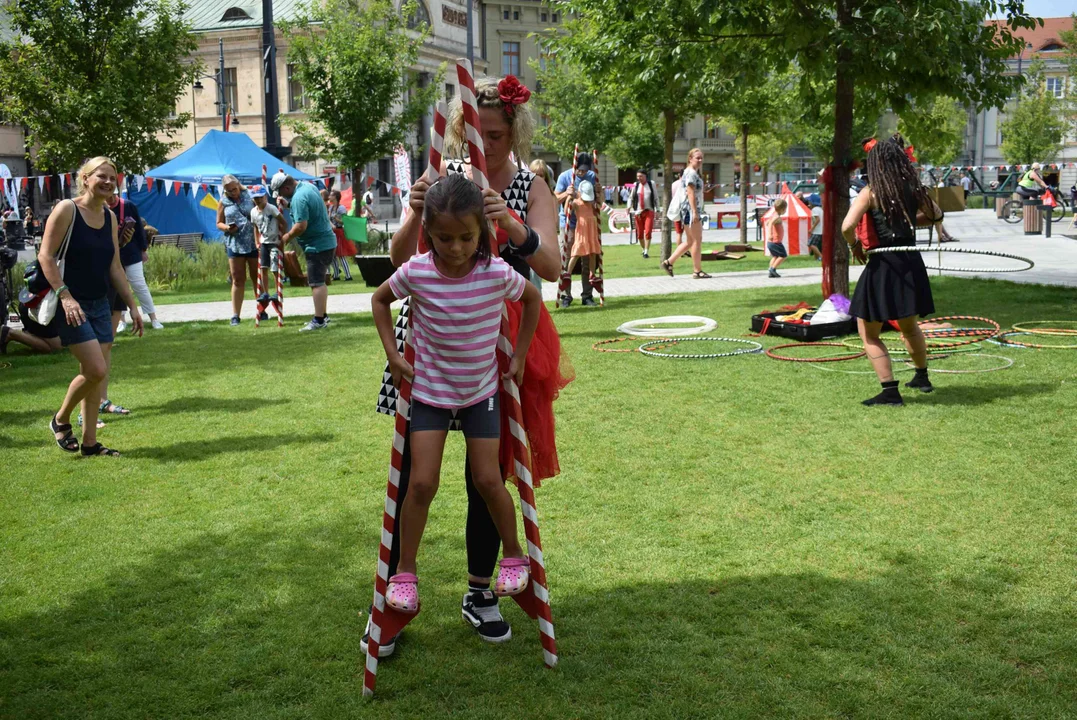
(870, 144)
(909, 150)
(512, 93)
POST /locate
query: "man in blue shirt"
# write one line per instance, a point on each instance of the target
(314, 234)
(567, 186)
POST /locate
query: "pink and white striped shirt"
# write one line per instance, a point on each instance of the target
(455, 324)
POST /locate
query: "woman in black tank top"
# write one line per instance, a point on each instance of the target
(894, 286)
(84, 319)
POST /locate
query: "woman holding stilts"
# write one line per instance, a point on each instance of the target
(894, 286)
(526, 217)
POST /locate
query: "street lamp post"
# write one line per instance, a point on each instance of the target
(222, 87)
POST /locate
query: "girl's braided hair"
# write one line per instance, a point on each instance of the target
(892, 175)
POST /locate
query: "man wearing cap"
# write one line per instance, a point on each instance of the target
(641, 203)
(567, 187)
(311, 229)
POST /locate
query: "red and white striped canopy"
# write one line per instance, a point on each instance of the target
(797, 220)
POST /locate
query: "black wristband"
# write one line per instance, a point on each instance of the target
(530, 246)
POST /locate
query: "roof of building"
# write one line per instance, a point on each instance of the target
(1043, 39)
(207, 15)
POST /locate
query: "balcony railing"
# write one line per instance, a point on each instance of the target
(715, 143)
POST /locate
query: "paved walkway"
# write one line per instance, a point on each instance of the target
(1055, 258)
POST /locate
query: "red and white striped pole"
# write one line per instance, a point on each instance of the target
(597, 274)
(258, 307)
(275, 252)
(535, 601)
(386, 622)
(565, 285)
(265, 182)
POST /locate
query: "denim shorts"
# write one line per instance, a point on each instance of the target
(230, 254)
(98, 324)
(777, 249)
(318, 266)
(481, 420)
(267, 258)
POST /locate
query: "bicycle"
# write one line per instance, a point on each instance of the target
(9, 300)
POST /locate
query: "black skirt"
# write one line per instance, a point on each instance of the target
(894, 285)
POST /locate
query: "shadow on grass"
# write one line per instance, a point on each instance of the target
(977, 395)
(198, 404)
(202, 449)
(262, 623)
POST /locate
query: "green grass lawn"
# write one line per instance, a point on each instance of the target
(620, 260)
(729, 538)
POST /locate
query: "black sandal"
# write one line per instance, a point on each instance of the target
(68, 443)
(99, 449)
(668, 267)
(700, 275)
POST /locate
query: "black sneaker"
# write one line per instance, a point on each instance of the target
(235, 320)
(774, 273)
(263, 299)
(565, 301)
(263, 316)
(921, 383)
(589, 302)
(384, 650)
(479, 609)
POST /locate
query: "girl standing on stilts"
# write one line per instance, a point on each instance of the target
(894, 286)
(457, 293)
(586, 239)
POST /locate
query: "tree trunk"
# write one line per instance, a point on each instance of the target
(743, 185)
(843, 131)
(667, 183)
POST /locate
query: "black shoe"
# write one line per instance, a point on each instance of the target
(235, 320)
(588, 302)
(774, 273)
(564, 301)
(263, 299)
(384, 650)
(921, 382)
(479, 609)
(263, 316)
(645, 255)
(889, 396)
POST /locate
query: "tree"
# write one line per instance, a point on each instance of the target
(639, 144)
(633, 48)
(897, 51)
(96, 77)
(353, 62)
(1033, 130)
(936, 129)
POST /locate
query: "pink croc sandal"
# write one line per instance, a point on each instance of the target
(513, 576)
(403, 593)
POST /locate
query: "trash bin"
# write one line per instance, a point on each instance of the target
(1000, 202)
(1033, 210)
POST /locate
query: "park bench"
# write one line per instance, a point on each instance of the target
(188, 242)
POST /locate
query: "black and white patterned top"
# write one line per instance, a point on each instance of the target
(516, 196)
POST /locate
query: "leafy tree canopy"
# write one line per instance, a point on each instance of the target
(1033, 129)
(936, 128)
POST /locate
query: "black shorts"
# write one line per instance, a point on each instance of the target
(777, 250)
(481, 420)
(45, 332)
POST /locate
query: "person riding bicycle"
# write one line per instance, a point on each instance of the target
(1031, 185)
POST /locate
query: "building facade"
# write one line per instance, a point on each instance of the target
(983, 137)
(234, 27)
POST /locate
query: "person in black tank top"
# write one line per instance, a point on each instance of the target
(531, 244)
(91, 263)
(894, 287)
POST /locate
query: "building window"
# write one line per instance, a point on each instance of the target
(235, 13)
(231, 90)
(710, 129)
(450, 92)
(1056, 86)
(420, 18)
(557, 17)
(297, 100)
(504, 14)
(544, 16)
(510, 58)
(681, 132)
(515, 14)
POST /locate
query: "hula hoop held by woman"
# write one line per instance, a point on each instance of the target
(525, 214)
(894, 286)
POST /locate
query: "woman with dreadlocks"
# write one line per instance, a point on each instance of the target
(894, 286)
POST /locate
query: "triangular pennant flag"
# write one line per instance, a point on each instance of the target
(140, 181)
(149, 183)
(41, 183)
(48, 184)
(186, 188)
(119, 180)
(168, 187)
(369, 181)
(23, 182)
(220, 191)
(204, 188)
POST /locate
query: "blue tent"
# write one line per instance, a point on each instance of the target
(217, 154)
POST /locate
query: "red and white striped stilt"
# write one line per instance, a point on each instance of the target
(597, 274)
(265, 182)
(386, 622)
(278, 303)
(258, 306)
(564, 287)
(535, 600)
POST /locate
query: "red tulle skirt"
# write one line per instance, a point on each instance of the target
(547, 372)
(345, 247)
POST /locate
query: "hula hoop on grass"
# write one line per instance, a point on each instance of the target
(1004, 341)
(646, 326)
(1023, 327)
(854, 372)
(5, 366)
(839, 358)
(857, 345)
(598, 346)
(1009, 363)
(647, 348)
(966, 251)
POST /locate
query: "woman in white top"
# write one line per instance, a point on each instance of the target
(690, 217)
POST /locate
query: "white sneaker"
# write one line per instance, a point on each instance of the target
(156, 325)
(313, 325)
(122, 327)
